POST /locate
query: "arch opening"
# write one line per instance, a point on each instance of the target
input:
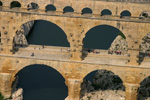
(144, 89)
(1, 4)
(41, 82)
(68, 9)
(145, 14)
(86, 11)
(41, 32)
(106, 12)
(101, 82)
(125, 13)
(50, 7)
(15, 4)
(33, 6)
(105, 37)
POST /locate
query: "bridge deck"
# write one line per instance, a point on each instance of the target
(62, 54)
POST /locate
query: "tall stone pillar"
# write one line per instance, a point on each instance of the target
(5, 84)
(73, 89)
(131, 91)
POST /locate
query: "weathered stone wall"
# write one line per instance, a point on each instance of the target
(96, 6)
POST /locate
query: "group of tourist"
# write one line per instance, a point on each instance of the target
(117, 52)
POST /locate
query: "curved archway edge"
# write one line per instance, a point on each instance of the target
(119, 73)
(58, 23)
(53, 65)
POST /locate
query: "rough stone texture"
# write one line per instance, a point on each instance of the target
(104, 79)
(119, 44)
(75, 26)
(22, 33)
(18, 94)
(105, 95)
(145, 46)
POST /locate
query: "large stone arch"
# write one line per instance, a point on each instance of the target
(95, 24)
(24, 64)
(59, 25)
(113, 25)
(113, 70)
(43, 68)
(107, 78)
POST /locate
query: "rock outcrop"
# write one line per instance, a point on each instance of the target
(119, 44)
(145, 45)
(103, 83)
(108, 86)
(104, 95)
(22, 32)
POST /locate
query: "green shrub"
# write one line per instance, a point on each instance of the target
(1, 97)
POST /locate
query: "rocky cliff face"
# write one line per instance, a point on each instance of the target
(108, 86)
(145, 45)
(119, 44)
(22, 32)
(103, 83)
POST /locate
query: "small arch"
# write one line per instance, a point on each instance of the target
(101, 80)
(106, 12)
(1, 4)
(15, 4)
(145, 14)
(33, 6)
(125, 13)
(86, 11)
(50, 7)
(68, 9)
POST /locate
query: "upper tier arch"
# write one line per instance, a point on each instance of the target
(116, 7)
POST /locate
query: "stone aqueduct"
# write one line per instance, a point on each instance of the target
(74, 66)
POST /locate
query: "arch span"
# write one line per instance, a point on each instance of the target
(101, 80)
(40, 79)
(100, 34)
(106, 12)
(33, 6)
(68, 9)
(86, 11)
(125, 13)
(50, 7)
(15, 4)
(53, 35)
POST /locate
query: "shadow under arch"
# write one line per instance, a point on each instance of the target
(101, 80)
(41, 82)
(68, 9)
(50, 7)
(125, 13)
(101, 37)
(44, 32)
(32, 6)
(1, 4)
(106, 12)
(86, 11)
(144, 89)
(15, 4)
